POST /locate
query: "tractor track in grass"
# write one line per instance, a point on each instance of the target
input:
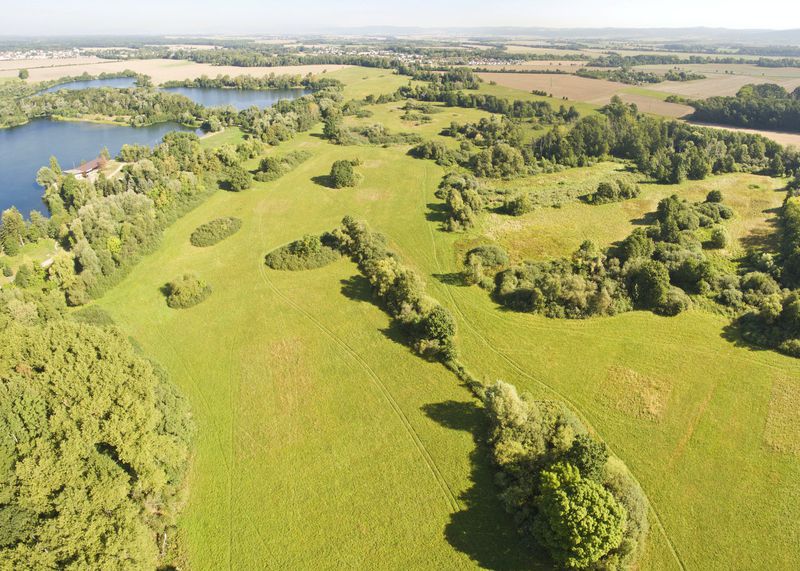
(524, 373)
(452, 500)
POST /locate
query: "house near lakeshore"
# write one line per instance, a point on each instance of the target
(87, 167)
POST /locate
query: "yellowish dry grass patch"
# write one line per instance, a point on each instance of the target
(635, 394)
(780, 430)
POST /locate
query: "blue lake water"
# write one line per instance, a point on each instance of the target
(237, 98)
(93, 83)
(24, 149)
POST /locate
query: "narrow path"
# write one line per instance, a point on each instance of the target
(527, 375)
(452, 500)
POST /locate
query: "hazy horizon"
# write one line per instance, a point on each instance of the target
(243, 17)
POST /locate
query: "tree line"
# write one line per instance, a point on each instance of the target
(764, 106)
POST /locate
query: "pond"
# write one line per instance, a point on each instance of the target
(93, 83)
(237, 98)
(24, 149)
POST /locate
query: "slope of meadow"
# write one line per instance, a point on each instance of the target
(324, 442)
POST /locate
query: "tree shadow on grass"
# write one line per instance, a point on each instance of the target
(483, 530)
(437, 212)
(732, 333)
(645, 220)
(357, 288)
(453, 279)
(323, 180)
(764, 239)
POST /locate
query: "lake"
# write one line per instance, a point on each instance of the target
(24, 149)
(237, 98)
(92, 83)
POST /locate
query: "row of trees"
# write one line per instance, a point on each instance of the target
(269, 81)
(667, 151)
(764, 106)
(638, 77)
(430, 327)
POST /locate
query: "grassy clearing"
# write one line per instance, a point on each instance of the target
(324, 443)
(556, 232)
(230, 136)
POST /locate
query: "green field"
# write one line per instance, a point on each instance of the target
(324, 442)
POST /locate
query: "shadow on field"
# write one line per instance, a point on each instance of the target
(323, 180)
(764, 239)
(483, 530)
(437, 212)
(645, 220)
(453, 279)
(357, 288)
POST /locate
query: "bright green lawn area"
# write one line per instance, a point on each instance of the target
(660, 95)
(325, 443)
(362, 81)
(230, 136)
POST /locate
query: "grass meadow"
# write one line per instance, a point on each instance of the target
(324, 442)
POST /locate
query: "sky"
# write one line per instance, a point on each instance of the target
(48, 17)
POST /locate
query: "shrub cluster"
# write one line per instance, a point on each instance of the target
(462, 194)
(481, 259)
(273, 167)
(430, 327)
(186, 291)
(566, 491)
(651, 269)
(307, 253)
(215, 231)
(613, 191)
(343, 175)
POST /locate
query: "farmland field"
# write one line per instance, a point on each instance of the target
(160, 70)
(324, 442)
(593, 91)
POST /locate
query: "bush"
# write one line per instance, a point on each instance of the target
(186, 291)
(675, 302)
(215, 231)
(307, 253)
(714, 196)
(649, 284)
(237, 178)
(579, 521)
(719, 238)
(518, 205)
(274, 167)
(343, 175)
(490, 255)
(613, 191)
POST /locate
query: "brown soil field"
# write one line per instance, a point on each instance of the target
(160, 70)
(597, 91)
(656, 106)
